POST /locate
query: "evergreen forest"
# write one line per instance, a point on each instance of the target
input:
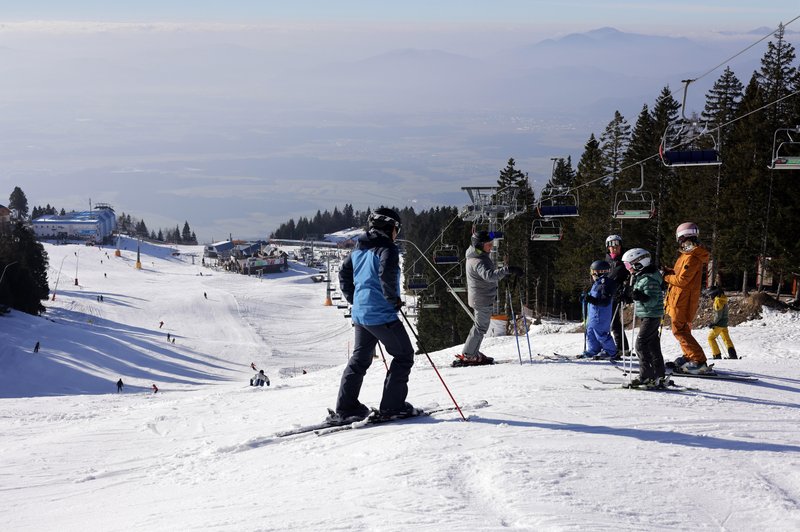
(746, 210)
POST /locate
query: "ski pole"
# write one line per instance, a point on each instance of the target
(583, 318)
(419, 344)
(514, 318)
(525, 324)
(383, 357)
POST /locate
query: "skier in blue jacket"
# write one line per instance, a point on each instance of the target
(370, 281)
(599, 342)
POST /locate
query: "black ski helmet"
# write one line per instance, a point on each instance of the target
(480, 238)
(385, 219)
(599, 266)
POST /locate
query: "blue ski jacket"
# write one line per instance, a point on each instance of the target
(600, 298)
(370, 279)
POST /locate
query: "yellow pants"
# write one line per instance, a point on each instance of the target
(712, 339)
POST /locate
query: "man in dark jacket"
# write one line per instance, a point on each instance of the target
(619, 274)
(482, 280)
(370, 281)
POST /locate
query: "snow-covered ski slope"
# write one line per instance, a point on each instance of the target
(546, 454)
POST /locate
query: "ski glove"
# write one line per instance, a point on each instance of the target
(398, 304)
(591, 299)
(516, 271)
(638, 295)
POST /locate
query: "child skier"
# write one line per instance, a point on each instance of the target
(599, 343)
(648, 296)
(720, 324)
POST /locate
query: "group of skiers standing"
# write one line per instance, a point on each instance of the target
(631, 276)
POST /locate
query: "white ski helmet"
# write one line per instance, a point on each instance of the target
(638, 258)
(613, 240)
(686, 230)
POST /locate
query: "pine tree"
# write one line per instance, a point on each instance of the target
(777, 79)
(18, 204)
(584, 236)
(669, 212)
(614, 144)
(25, 283)
(722, 103)
(516, 240)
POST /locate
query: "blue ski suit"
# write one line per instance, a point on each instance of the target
(598, 319)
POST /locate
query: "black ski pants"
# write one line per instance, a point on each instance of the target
(648, 349)
(395, 386)
(620, 338)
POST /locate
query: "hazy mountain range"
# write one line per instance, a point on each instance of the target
(239, 132)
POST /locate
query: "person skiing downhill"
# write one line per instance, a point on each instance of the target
(648, 297)
(599, 343)
(618, 274)
(683, 298)
(370, 281)
(482, 280)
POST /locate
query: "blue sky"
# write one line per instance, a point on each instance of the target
(728, 13)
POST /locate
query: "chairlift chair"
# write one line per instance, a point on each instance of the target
(786, 149)
(634, 204)
(417, 282)
(428, 302)
(446, 254)
(458, 283)
(688, 142)
(546, 230)
(557, 202)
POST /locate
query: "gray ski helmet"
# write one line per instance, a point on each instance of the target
(613, 240)
(638, 258)
(385, 219)
(480, 238)
(599, 267)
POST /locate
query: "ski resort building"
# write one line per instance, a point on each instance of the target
(95, 225)
(5, 215)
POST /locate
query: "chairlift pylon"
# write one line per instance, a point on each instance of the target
(786, 149)
(634, 204)
(688, 142)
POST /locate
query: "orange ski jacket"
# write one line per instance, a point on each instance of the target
(685, 284)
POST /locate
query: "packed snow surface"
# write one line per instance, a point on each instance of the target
(554, 450)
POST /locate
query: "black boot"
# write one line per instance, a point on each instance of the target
(732, 352)
(717, 357)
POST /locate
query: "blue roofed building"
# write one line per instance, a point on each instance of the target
(95, 225)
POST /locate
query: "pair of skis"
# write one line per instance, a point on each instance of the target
(714, 374)
(324, 428)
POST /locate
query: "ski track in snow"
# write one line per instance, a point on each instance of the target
(545, 454)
